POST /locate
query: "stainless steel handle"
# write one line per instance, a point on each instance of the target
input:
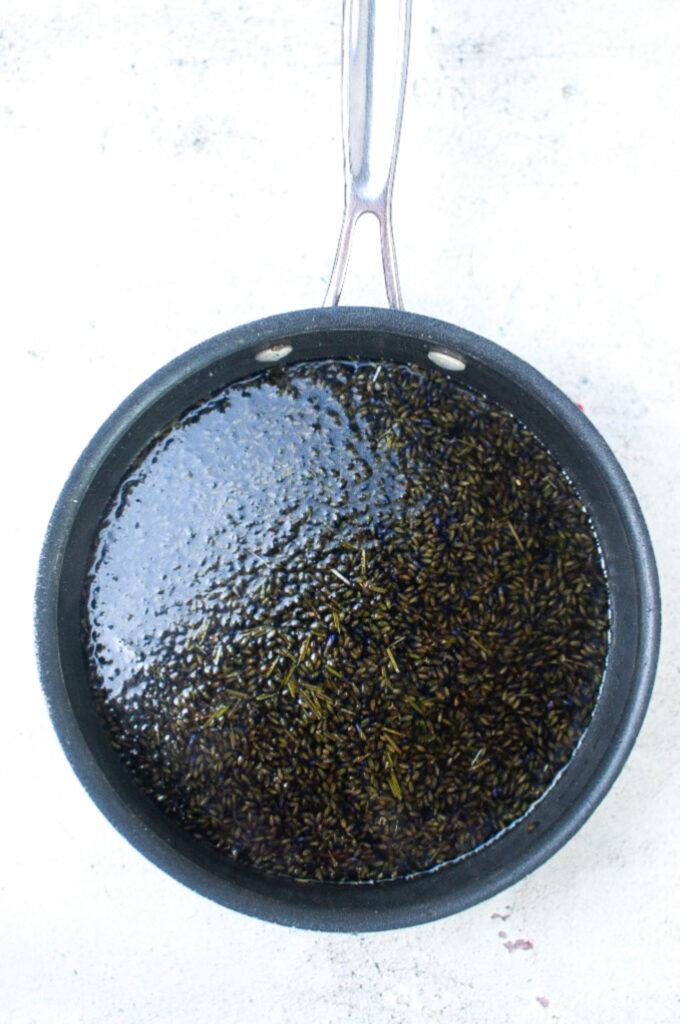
(375, 44)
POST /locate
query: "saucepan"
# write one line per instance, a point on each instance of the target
(375, 49)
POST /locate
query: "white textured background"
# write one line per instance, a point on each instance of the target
(173, 169)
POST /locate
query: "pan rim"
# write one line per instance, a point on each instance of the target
(376, 912)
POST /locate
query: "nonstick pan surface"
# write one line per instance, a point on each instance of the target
(355, 333)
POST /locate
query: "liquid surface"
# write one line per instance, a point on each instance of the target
(345, 621)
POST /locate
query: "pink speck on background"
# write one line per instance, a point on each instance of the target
(514, 944)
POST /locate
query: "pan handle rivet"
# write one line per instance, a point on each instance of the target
(447, 360)
(273, 353)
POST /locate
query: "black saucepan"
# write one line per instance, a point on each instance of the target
(375, 31)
